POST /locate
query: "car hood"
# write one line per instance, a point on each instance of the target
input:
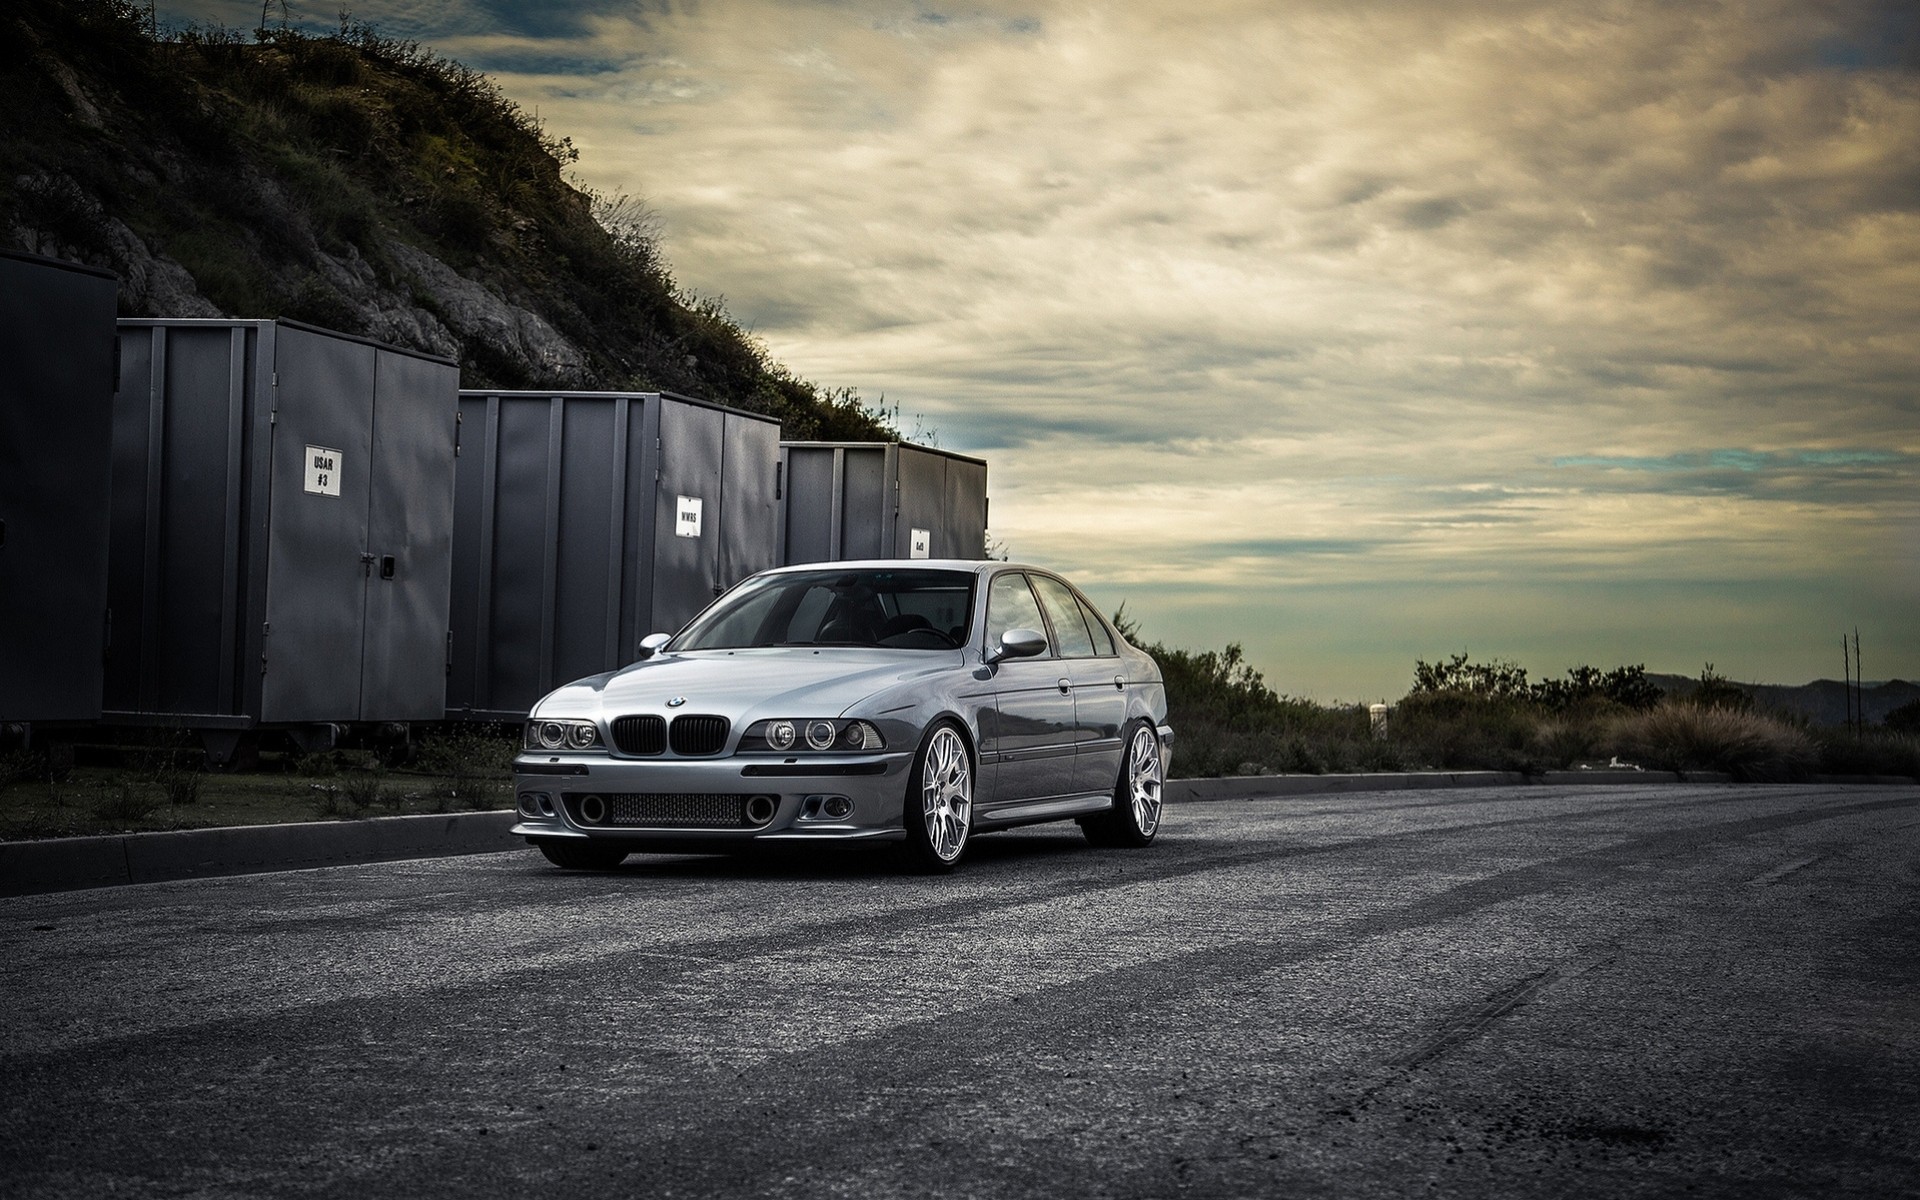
(791, 681)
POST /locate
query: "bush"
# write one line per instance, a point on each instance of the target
(1905, 719)
(1686, 736)
(1493, 729)
(1871, 752)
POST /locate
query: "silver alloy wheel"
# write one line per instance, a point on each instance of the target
(946, 794)
(1143, 781)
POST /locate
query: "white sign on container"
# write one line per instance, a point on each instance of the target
(920, 545)
(323, 471)
(686, 519)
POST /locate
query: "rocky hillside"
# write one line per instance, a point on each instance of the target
(359, 183)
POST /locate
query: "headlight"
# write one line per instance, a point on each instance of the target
(561, 735)
(785, 734)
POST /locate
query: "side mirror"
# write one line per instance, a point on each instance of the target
(1019, 643)
(650, 645)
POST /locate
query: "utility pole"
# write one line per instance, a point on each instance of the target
(1860, 689)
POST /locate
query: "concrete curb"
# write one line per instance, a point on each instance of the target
(63, 864)
(1252, 787)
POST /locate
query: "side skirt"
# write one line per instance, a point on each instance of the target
(1030, 811)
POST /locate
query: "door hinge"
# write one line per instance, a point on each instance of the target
(449, 651)
(457, 415)
(266, 635)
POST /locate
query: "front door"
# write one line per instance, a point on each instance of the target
(1030, 729)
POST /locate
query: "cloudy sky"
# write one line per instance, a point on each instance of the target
(1354, 333)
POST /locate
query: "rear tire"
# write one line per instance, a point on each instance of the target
(939, 801)
(582, 856)
(1134, 818)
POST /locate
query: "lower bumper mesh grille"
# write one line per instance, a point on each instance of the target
(677, 810)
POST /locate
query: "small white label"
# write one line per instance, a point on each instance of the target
(920, 544)
(323, 471)
(686, 520)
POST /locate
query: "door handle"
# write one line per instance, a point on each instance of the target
(1066, 686)
(386, 566)
(1120, 681)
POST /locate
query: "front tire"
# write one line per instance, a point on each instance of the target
(939, 801)
(1134, 818)
(582, 856)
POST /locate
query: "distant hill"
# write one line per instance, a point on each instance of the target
(1823, 700)
(360, 183)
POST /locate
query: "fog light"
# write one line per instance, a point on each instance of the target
(530, 803)
(836, 807)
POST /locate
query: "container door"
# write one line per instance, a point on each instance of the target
(587, 535)
(472, 554)
(923, 496)
(56, 398)
(750, 510)
(962, 532)
(317, 528)
(809, 503)
(409, 539)
(867, 503)
(686, 546)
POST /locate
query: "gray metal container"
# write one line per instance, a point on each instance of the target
(851, 500)
(584, 521)
(56, 411)
(282, 526)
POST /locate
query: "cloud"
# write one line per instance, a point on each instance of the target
(1463, 287)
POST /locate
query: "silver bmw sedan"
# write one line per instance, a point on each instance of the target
(917, 702)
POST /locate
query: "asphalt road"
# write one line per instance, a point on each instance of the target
(1708, 991)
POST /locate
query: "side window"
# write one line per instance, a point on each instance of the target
(1010, 606)
(1064, 611)
(1102, 640)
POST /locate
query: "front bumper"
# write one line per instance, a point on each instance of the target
(555, 795)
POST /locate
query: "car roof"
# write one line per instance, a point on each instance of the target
(910, 564)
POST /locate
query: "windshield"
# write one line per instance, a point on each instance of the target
(898, 610)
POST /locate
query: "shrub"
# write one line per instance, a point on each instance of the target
(363, 790)
(126, 803)
(1717, 691)
(1871, 752)
(477, 763)
(1685, 736)
(1905, 719)
(1457, 729)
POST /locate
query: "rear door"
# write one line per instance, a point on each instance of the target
(1099, 690)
